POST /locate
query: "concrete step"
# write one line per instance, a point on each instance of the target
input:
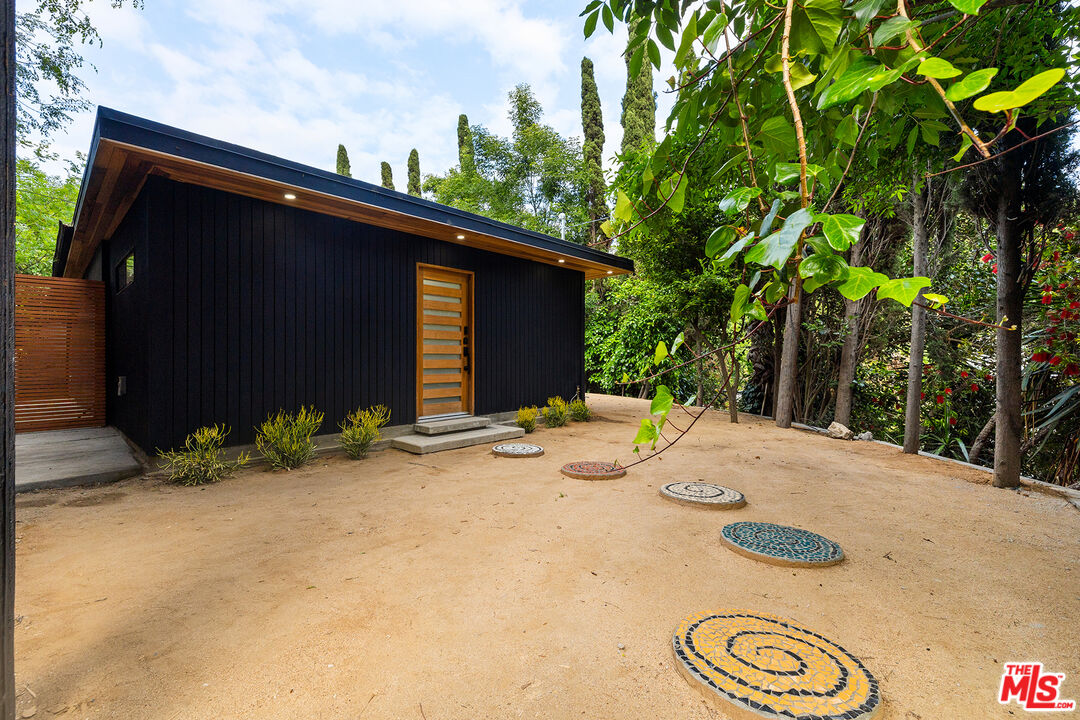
(422, 444)
(451, 425)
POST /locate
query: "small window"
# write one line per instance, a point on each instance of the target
(125, 272)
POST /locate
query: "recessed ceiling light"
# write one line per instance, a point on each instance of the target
(609, 272)
(290, 196)
(561, 260)
(460, 237)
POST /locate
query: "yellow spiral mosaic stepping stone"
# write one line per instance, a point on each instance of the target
(757, 666)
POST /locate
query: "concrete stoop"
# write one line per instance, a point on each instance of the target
(452, 434)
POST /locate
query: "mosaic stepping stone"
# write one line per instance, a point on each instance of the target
(517, 450)
(592, 470)
(703, 494)
(758, 666)
(781, 545)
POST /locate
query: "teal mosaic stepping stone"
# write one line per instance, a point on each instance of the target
(781, 545)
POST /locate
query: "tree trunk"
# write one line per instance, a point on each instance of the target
(7, 368)
(1009, 426)
(849, 351)
(912, 413)
(699, 368)
(979, 445)
(733, 390)
(789, 359)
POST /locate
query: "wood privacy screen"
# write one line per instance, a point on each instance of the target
(59, 353)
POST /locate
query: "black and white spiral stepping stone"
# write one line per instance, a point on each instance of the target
(781, 545)
(517, 450)
(754, 665)
(592, 470)
(703, 494)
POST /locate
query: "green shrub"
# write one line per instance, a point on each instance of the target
(202, 460)
(526, 418)
(285, 439)
(579, 411)
(556, 412)
(360, 430)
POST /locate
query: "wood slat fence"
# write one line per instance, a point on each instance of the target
(59, 353)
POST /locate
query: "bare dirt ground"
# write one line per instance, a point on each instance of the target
(460, 585)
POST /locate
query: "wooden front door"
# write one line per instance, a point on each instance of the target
(443, 341)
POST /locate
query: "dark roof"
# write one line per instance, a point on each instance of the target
(139, 146)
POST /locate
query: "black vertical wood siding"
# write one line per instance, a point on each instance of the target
(241, 307)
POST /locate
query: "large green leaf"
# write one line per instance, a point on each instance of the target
(786, 172)
(725, 259)
(968, 7)
(867, 10)
(720, 238)
(777, 134)
(757, 311)
(660, 353)
(823, 268)
(738, 199)
(938, 69)
(777, 248)
(891, 28)
(661, 404)
(842, 230)
(647, 433)
(847, 131)
(1028, 91)
(971, 84)
(714, 32)
(623, 207)
(864, 74)
(859, 281)
(766, 224)
(738, 304)
(902, 290)
(826, 16)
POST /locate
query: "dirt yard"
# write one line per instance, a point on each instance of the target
(460, 585)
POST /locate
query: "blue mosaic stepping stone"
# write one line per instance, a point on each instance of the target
(754, 665)
(781, 545)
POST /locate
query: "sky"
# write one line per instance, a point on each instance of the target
(296, 77)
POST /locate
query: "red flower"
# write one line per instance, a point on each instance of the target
(994, 269)
(987, 257)
(922, 396)
(989, 377)
(974, 387)
(952, 421)
(1072, 369)
(963, 373)
(1063, 285)
(940, 399)
(1046, 299)
(948, 391)
(1056, 360)
(1039, 357)
(1074, 304)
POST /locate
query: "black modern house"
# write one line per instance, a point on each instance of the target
(238, 284)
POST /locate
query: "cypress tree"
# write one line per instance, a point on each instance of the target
(592, 124)
(465, 144)
(638, 106)
(387, 176)
(414, 173)
(343, 167)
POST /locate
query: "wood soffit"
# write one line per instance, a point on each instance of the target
(120, 170)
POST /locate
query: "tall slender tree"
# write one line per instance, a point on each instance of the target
(7, 365)
(414, 173)
(387, 176)
(343, 166)
(466, 152)
(638, 105)
(592, 125)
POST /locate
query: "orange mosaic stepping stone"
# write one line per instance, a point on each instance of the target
(754, 665)
(592, 470)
